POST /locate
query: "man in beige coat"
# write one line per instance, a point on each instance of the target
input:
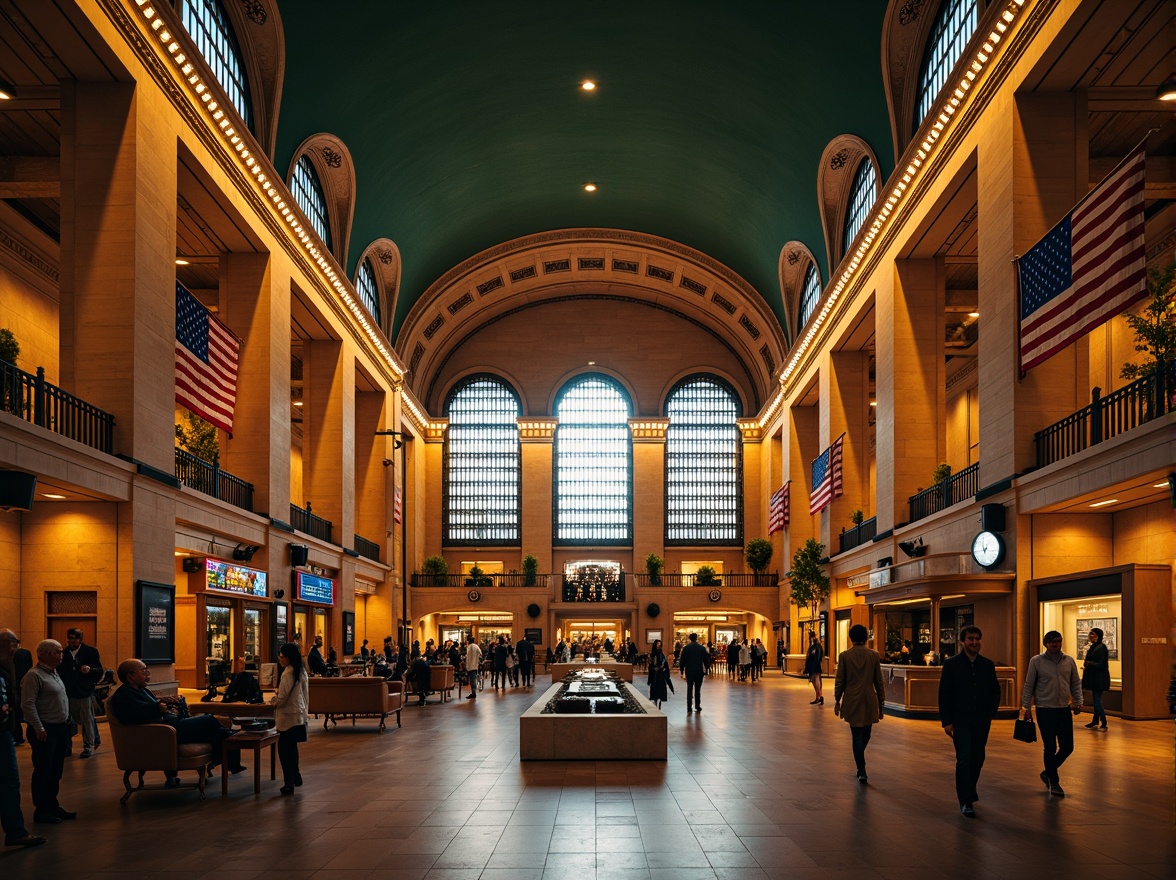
(859, 693)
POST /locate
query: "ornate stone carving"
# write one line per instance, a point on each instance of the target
(657, 272)
(434, 325)
(723, 303)
(523, 273)
(332, 158)
(793, 258)
(493, 284)
(460, 303)
(909, 12)
(625, 266)
(254, 11)
(693, 286)
(385, 256)
(591, 262)
(837, 160)
(752, 330)
(557, 266)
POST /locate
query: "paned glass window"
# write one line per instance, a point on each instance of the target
(862, 194)
(208, 24)
(483, 466)
(954, 25)
(308, 193)
(368, 290)
(593, 471)
(810, 295)
(704, 464)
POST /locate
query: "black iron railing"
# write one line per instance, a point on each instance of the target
(726, 579)
(305, 521)
(860, 534)
(943, 495)
(198, 474)
(511, 579)
(1132, 405)
(46, 405)
(367, 549)
(594, 589)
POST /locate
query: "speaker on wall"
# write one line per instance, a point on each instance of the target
(992, 517)
(299, 554)
(193, 564)
(16, 490)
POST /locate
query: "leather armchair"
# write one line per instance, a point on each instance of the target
(139, 748)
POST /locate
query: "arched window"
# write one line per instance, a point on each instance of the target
(308, 193)
(208, 24)
(483, 467)
(953, 27)
(593, 455)
(862, 193)
(368, 289)
(704, 464)
(810, 295)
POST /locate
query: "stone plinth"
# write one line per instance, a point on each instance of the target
(592, 737)
(624, 671)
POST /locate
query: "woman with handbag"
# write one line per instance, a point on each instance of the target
(290, 716)
(1096, 676)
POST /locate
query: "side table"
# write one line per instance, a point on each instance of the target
(252, 741)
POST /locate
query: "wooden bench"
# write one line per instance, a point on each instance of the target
(355, 697)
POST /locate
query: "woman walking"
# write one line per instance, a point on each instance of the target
(659, 674)
(859, 693)
(814, 659)
(1096, 676)
(290, 713)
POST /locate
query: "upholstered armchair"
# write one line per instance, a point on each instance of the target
(139, 748)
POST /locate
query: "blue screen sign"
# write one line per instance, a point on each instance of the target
(312, 588)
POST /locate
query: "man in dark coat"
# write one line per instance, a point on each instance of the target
(80, 671)
(421, 676)
(969, 695)
(694, 660)
(315, 661)
(525, 652)
(732, 659)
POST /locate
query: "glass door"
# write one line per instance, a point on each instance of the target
(218, 646)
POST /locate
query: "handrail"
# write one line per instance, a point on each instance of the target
(44, 404)
(726, 579)
(944, 494)
(367, 549)
(859, 534)
(196, 473)
(315, 526)
(579, 589)
(489, 581)
(1147, 398)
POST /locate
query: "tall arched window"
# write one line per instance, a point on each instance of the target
(704, 464)
(593, 455)
(483, 469)
(862, 193)
(810, 295)
(308, 193)
(368, 289)
(208, 24)
(954, 25)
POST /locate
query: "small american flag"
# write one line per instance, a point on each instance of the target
(778, 510)
(397, 509)
(1088, 268)
(206, 362)
(826, 477)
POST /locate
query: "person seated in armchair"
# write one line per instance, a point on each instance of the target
(133, 703)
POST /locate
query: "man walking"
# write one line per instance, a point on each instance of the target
(694, 659)
(859, 694)
(969, 695)
(1052, 682)
(46, 709)
(525, 652)
(11, 816)
(80, 671)
(473, 662)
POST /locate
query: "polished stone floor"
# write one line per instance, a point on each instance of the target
(759, 785)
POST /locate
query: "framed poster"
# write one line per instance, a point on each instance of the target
(652, 635)
(348, 633)
(1110, 628)
(155, 622)
(534, 635)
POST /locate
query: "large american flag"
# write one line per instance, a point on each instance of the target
(1088, 268)
(826, 477)
(778, 509)
(206, 362)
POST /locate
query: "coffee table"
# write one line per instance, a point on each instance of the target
(252, 741)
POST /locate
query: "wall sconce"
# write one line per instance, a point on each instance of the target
(913, 549)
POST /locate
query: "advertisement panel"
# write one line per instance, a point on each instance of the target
(229, 578)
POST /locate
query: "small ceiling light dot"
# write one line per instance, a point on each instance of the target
(973, 314)
(590, 187)
(180, 261)
(588, 85)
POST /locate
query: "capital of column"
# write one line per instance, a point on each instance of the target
(537, 430)
(648, 430)
(435, 430)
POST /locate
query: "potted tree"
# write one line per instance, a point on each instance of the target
(759, 556)
(705, 576)
(436, 568)
(1155, 335)
(530, 570)
(810, 585)
(477, 578)
(857, 517)
(9, 385)
(653, 567)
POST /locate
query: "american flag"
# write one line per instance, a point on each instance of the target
(826, 477)
(397, 509)
(1088, 268)
(778, 510)
(206, 362)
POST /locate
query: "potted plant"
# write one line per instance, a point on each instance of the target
(705, 576)
(653, 567)
(9, 384)
(1154, 327)
(530, 570)
(436, 568)
(9, 347)
(810, 585)
(942, 472)
(758, 555)
(856, 516)
(477, 578)
(198, 437)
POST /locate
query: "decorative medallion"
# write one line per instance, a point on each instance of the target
(909, 12)
(715, 595)
(793, 258)
(385, 256)
(473, 595)
(332, 158)
(838, 160)
(254, 11)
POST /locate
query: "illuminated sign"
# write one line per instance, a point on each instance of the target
(235, 578)
(312, 588)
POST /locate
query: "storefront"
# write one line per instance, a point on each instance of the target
(224, 617)
(314, 597)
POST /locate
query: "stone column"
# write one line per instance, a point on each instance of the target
(649, 489)
(845, 408)
(374, 481)
(537, 436)
(328, 430)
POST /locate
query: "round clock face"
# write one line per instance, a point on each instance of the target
(988, 549)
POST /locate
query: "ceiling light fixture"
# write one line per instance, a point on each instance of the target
(1163, 485)
(973, 314)
(180, 261)
(873, 403)
(60, 497)
(1167, 89)
(588, 85)
(590, 187)
(298, 403)
(1105, 503)
(7, 91)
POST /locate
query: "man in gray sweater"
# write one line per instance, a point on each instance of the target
(1053, 683)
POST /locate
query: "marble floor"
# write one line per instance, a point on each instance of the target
(759, 785)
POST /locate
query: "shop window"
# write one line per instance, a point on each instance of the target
(208, 24)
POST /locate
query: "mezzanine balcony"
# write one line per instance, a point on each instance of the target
(956, 488)
(33, 399)
(306, 522)
(208, 478)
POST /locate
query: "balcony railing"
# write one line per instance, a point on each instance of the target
(198, 474)
(594, 589)
(46, 405)
(943, 495)
(308, 523)
(367, 549)
(1105, 417)
(727, 579)
(860, 534)
(490, 581)
(938, 565)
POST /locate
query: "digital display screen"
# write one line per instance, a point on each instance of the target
(235, 578)
(312, 588)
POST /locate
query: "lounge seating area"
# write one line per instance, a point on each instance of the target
(441, 684)
(141, 748)
(356, 697)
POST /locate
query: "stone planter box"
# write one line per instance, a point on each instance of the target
(592, 737)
